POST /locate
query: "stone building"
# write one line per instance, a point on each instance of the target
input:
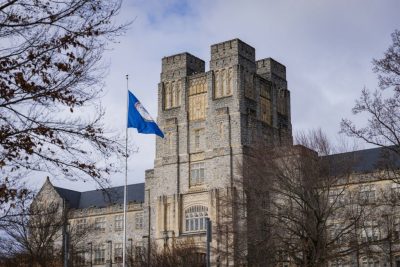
(100, 215)
(211, 120)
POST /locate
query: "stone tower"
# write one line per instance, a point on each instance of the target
(210, 119)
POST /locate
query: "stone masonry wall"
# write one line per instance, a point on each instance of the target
(229, 93)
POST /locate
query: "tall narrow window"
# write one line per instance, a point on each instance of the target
(248, 85)
(195, 218)
(118, 252)
(221, 129)
(265, 110)
(229, 74)
(174, 95)
(396, 228)
(139, 220)
(217, 84)
(169, 141)
(168, 96)
(222, 82)
(119, 222)
(99, 254)
(197, 136)
(80, 259)
(282, 102)
(178, 94)
(197, 98)
(197, 173)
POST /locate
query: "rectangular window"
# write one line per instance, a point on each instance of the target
(197, 139)
(338, 233)
(395, 190)
(168, 139)
(197, 98)
(139, 220)
(223, 83)
(370, 232)
(197, 107)
(396, 228)
(282, 102)
(336, 196)
(100, 224)
(118, 252)
(367, 194)
(80, 258)
(172, 94)
(198, 134)
(265, 110)
(119, 222)
(197, 173)
(99, 254)
(139, 252)
(249, 84)
(81, 224)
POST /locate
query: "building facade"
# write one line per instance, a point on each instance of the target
(211, 121)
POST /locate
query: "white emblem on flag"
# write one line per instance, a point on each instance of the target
(143, 112)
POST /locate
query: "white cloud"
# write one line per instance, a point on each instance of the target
(327, 47)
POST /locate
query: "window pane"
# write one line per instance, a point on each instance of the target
(197, 214)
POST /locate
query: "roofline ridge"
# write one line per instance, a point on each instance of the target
(360, 150)
(94, 190)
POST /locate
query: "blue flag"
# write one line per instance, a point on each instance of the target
(139, 118)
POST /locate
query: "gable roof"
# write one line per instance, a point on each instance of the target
(72, 197)
(368, 160)
(101, 198)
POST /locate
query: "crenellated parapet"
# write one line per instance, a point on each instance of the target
(180, 65)
(232, 52)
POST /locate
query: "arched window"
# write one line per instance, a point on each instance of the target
(195, 218)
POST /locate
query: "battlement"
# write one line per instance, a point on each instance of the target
(181, 65)
(230, 52)
(271, 69)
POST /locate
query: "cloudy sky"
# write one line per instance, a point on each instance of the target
(327, 47)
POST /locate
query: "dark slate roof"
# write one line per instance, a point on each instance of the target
(71, 196)
(102, 198)
(368, 160)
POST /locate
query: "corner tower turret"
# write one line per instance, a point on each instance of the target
(233, 52)
(180, 65)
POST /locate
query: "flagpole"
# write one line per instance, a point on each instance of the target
(126, 174)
